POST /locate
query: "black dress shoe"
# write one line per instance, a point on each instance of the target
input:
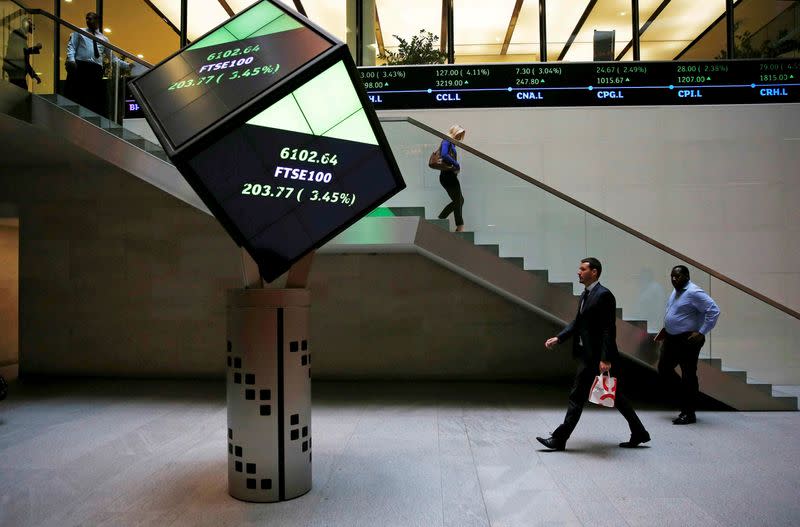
(552, 443)
(684, 419)
(636, 440)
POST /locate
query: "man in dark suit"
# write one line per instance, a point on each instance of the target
(594, 345)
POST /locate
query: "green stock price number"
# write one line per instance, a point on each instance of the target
(309, 156)
(235, 52)
(347, 199)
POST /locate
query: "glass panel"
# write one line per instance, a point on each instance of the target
(203, 17)
(406, 19)
(479, 32)
(44, 5)
(524, 45)
(606, 16)
(75, 11)
(755, 337)
(637, 273)
(125, 21)
(767, 28)
(42, 62)
(562, 18)
(554, 235)
(14, 38)
(330, 16)
(678, 26)
(94, 79)
(499, 208)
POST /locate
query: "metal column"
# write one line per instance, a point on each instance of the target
(269, 394)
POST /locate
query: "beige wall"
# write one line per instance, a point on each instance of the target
(9, 292)
(119, 279)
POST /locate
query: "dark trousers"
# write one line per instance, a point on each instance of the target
(449, 180)
(85, 86)
(678, 350)
(579, 394)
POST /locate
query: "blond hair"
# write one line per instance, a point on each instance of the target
(455, 130)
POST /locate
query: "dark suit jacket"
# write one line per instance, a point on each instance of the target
(596, 326)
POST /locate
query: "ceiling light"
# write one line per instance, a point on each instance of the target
(140, 56)
(107, 30)
(622, 13)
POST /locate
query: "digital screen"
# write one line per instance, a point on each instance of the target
(583, 84)
(226, 68)
(298, 172)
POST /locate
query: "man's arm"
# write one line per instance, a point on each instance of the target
(561, 337)
(706, 305)
(72, 44)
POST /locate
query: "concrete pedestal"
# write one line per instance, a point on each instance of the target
(269, 394)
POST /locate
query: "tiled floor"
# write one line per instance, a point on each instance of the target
(147, 453)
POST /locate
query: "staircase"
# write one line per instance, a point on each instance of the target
(407, 228)
(404, 229)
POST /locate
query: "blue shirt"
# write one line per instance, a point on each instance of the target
(690, 309)
(81, 47)
(448, 151)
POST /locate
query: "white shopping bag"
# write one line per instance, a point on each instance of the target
(604, 390)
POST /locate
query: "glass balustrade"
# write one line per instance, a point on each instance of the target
(552, 233)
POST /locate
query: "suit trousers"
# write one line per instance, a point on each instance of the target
(678, 350)
(579, 395)
(85, 87)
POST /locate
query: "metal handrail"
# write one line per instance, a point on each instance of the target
(572, 201)
(85, 33)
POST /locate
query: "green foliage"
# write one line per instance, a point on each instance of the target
(743, 47)
(421, 49)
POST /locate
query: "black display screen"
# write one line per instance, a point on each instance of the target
(226, 68)
(299, 172)
(583, 84)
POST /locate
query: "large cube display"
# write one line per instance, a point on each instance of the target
(266, 118)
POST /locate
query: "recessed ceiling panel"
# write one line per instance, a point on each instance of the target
(406, 18)
(562, 17)
(526, 33)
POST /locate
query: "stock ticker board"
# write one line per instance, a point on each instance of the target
(582, 84)
(266, 119)
(578, 84)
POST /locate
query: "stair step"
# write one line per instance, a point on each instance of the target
(162, 156)
(519, 262)
(137, 142)
(737, 374)
(715, 363)
(641, 324)
(494, 249)
(408, 211)
(764, 388)
(539, 273)
(442, 224)
(57, 99)
(95, 120)
(564, 286)
(466, 236)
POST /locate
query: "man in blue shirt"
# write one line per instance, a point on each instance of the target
(84, 66)
(690, 315)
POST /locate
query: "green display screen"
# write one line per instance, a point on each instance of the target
(226, 68)
(299, 171)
